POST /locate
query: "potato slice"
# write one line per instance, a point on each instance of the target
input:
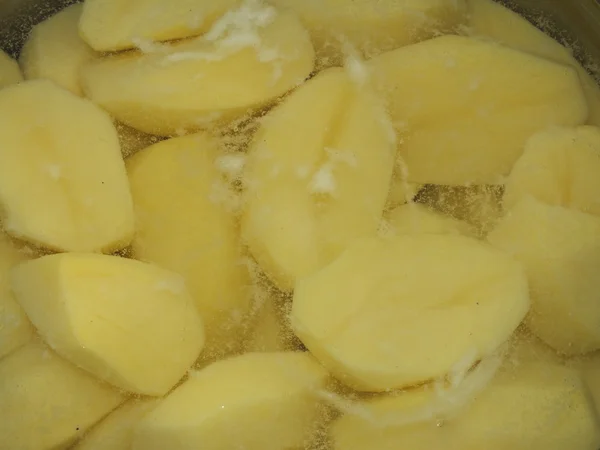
(559, 167)
(63, 183)
(45, 402)
(55, 51)
(109, 25)
(257, 401)
(393, 312)
(372, 27)
(182, 226)
(560, 249)
(9, 71)
(414, 218)
(317, 176)
(464, 108)
(129, 323)
(248, 59)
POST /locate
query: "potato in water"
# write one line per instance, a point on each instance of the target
(9, 71)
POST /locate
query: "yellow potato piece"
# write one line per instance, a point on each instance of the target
(414, 218)
(9, 71)
(55, 51)
(131, 324)
(560, 250)
(490, 19)
(248, 59)
(109, 25)
(258, 401)
(47, 403)
(464, 108)
(182, 226)
(372, 27)
(317, 176)
(559, 167)
(63, 183)
(401, 192)
(115, 432)
(394, 312)
(590, 370)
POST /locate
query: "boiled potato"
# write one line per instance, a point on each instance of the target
(401, 192)
(132, 140)
(63, 183)
(182, 226)
(47, 403)
(109, 25)
(9, 70)
(560, 249)
(394, 312)
(247, 60)
(317, 176)
(55, 51)
(131, 324)
(413, 218)
(590, 369)
(372, 27)
(559, 167)
(257, 401)
(463, 108)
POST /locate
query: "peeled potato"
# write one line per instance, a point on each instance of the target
(131, 324)
(559, 167)
(394, 312)
(414, 218)
(317, 176)
(45, 402)
(248, 59)
(109, 25)
(464, 108)
(9, 71)
(63, 183)
(55, 51)
(560, 250)
(182, 226)
(257, 401)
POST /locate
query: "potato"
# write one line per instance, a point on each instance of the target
(590, 369)
(109, 25)
(560, 250)
(257, 401)
(372, 27)
(317, 176)
(248, 59)
(55, 51)
(63, 183)
(131, 324)
(401, 192)
(559, 167)
(492, 20)
(463, 108)
(182, 226)
(132, 140)
(394, 312)
(414, 218)
(9, 71)
(115, 432)
(45, 402)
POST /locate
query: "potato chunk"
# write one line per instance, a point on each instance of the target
(559, 167)
(415, 218)
(129, 323)
(560, 249)
(248, 59)
(464, 108)
(317, 176)
(55, 51)
(63, 183)
(258, 401)
(182, 226)
(9, 70)
(393, 312)
(45, 402)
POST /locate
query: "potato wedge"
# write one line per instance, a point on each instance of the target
(9, 71)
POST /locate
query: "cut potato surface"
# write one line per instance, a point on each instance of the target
(414, 218)
(63, 183)
(560, 250)
(131, 324)
(9, 71)
(401, 192)
(182, 226)
(463, 108)
(394, 312)
(559, 167)
(45, 402)
(248, 59)
(590, 370)
(55, 51)
(317, 176)
(258, 401)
